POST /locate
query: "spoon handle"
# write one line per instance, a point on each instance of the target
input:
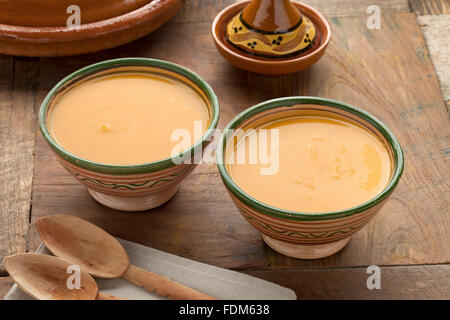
(104, 296)
(162, 286)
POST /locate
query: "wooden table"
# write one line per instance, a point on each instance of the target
(389, 72)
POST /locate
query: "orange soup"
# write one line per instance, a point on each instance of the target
(324, 164)
(127, 119)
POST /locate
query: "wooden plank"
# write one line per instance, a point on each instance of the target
(436, 30)
(398, 283)
(206, 10)
(392, 79)
(18, 86)
(413, 282)
(343, 8)
(423, 7)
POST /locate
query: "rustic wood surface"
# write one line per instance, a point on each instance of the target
(399, 283)
(388, 72)
(18, 85)
(423, 7)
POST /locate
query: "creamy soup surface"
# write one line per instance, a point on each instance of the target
(325, 164)
(126, 119)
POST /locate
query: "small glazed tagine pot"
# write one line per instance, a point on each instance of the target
(298, 234)
(272, 29)
(130, 187)
(45, 32)
(271, 36)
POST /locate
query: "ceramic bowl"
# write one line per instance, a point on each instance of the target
(130, 187)
(119, 26)
(307, 235)
(270, 66)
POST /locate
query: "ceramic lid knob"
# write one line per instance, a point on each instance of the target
(271, 29)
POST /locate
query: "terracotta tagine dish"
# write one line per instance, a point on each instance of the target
(271, 37)
(28, 28)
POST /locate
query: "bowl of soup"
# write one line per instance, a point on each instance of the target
(130, 129)
(308, 172)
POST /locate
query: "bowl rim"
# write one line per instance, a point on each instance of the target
(261, 207)
(138, 168)
(245, 58)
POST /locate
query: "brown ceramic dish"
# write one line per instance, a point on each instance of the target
(263, 65)
(53, 41)
(32, 13)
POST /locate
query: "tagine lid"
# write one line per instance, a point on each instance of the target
(271, 29)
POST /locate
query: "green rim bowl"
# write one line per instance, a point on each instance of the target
(131, 187)
(299, 234)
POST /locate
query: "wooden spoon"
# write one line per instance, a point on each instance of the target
(45, 277)
(101, 255)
